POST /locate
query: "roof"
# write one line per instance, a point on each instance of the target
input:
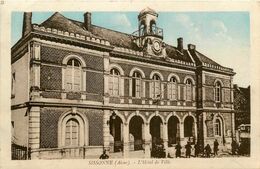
(147, 10)
(60, 22)
(119, 39)
(205, 59)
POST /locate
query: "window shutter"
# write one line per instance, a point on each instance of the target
(150, 89)
(179, 92)
(168, 91)
(121, 86)
(162, 90)
(143, 88)
(193, 93)
(184, 92)
(222, 95)
(214, 94)
(130, 87)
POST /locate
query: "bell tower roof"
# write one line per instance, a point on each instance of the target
(147, 10)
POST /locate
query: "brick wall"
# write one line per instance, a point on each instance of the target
(49, 127)
(95, 83)
(209, 80)
(209, 91)
(209, 94)
(227, 123)
(49, 118)
(147, 71)
(55, 55)
(126, 87)
(95, 118)
(128, 67)
(51, 77)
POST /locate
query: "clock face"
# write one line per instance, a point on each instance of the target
(156, 46)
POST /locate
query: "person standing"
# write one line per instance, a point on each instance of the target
(215, 147)
(178, 150)
(188, 149)
(234, 147)
(104, 155)
(208, 150)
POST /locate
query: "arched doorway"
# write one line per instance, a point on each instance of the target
(116, 130)
(136, 133)
(189, 129)
(219, 130)
(173, 131)
(156, 130)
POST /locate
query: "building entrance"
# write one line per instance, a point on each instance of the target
(173, 131)
(156, 130)
(136, 133)
(116, 128)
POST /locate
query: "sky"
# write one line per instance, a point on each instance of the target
(222, 36)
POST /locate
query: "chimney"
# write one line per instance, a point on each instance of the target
(27, 23)
(191, 47)
(87, 20)
(180, 44)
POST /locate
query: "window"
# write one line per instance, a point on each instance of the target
(73, 129)
(188, 126)
(13, 86)
(114, 82)
(156, 86)
(73, 75)
(188, 90)
(218, 92)
(72, 133)
(172, 89)
(217, 127)
(136, 84)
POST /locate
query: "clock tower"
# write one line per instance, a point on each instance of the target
(148, 36)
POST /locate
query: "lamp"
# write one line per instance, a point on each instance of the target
(113, 116)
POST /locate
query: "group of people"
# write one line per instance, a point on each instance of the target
(240, 149)
(159, 152)
(206, 151)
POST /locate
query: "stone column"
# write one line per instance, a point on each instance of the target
(195, 132)
(204, 127)
(165, 137)
(34, 132)
(126, 140)
(182, 134)
(147, 140)
(233, 124)
(106, 133)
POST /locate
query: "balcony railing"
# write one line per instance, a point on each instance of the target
(155, 31)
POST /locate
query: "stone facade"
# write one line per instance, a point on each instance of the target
(90, 91)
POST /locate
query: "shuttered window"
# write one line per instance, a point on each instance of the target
(73, 75)
(72, 133)
(114, 81)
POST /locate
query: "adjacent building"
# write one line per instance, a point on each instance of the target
(78, 88)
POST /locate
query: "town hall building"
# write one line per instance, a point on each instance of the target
(79, 89)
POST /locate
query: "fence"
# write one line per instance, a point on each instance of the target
(19, 152)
